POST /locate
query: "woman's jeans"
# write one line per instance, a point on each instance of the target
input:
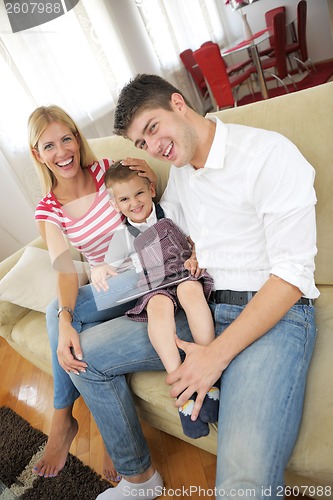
(92, 308)
(261, 401)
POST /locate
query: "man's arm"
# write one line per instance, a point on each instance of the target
(205, 364)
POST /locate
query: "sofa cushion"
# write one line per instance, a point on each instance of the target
(31, 283)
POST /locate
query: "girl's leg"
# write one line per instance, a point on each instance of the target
(191, 298)
(161, 332)
(90, 310)
(200, 320)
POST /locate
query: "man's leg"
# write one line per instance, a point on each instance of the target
(262, 394)
(111, 350)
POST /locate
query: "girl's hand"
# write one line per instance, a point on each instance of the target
(68, 344)
(100, 274)
(192, 265)
(142, 167)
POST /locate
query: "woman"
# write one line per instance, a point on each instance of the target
(76, 208)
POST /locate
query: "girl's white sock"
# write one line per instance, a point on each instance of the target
(149, 490)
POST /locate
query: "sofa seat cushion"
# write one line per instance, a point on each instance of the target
(156, 407)
(313, 453)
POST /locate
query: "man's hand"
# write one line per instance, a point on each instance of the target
(69, 342)
(100, 274)
(198, 373)
(142, 167)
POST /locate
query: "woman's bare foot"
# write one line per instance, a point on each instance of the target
(109, 470)
(64, 428)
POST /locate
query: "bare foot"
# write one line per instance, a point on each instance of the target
(63, 430)
(109, 470)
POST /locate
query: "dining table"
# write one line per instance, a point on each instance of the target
(252, 46)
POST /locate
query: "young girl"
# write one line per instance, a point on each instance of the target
(160, 252)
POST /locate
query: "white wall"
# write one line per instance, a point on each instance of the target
(17, 225)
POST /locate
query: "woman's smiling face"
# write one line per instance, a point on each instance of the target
(59, 149)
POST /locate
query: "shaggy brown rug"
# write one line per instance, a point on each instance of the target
(20, 448)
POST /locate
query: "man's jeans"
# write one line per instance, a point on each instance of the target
(261, 400)
(92, 308)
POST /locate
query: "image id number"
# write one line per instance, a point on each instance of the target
(34, 8)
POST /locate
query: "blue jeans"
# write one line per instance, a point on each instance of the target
(261, 400)
(92, 308)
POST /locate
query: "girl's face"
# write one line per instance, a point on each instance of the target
(134, 198)
(59, 149)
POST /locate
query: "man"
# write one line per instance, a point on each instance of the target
(248, 200)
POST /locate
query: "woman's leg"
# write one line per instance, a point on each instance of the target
(87, 313)
(261, 408)
(112, 350)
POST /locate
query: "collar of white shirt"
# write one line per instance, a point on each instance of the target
(217, 151)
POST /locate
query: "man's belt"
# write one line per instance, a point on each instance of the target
(242, 298)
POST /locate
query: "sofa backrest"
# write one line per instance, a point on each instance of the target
(305, 117)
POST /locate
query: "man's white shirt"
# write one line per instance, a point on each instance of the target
(251, 210)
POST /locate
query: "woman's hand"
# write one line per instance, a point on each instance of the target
(198, 373)
(68, 344)
(142, 167)
(100, 274)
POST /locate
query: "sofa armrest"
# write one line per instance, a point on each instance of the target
(7, 264)
(10, 314)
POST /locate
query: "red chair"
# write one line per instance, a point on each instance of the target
(233, 68)
(192, 67)
(279, 59)
(269, 16)
(300, 47)
(220, 85)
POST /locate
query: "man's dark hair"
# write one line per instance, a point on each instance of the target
(141, 93)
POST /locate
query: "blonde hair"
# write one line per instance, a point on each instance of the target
(37, 124)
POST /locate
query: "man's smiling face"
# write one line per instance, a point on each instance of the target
(164, 134)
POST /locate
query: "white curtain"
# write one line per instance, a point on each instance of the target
(176, 25)
(75, 61)
(80, 61)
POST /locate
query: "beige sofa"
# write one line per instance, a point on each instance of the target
(307, 119)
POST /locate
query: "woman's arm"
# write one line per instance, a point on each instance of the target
(67, 290)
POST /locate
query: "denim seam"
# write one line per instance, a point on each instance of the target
(138, 458)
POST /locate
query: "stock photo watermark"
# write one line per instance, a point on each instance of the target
(25, 14)
(199, 492)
